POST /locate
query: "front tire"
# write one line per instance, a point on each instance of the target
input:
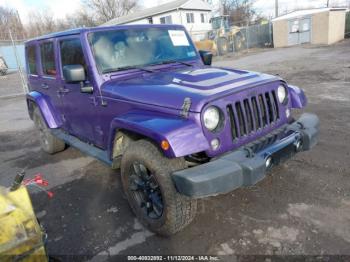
(48, 142)
(147, 183)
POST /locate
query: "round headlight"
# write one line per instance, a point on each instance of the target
(211, 118)
(282, 94)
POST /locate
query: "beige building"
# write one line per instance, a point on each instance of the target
(315, 26)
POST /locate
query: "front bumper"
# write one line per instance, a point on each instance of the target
(246, 166)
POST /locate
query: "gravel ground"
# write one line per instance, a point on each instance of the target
(10, 85)
(302, 208)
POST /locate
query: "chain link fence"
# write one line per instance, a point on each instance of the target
(257, 36)
(12, 54)
(235, 39)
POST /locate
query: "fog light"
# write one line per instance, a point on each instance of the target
(287, 112)
(268, 162)
(215, 143)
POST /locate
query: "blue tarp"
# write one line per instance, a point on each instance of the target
(7, 52)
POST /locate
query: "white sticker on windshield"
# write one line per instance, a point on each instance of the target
(178, 37)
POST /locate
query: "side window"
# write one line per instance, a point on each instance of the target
(48, 58)
(31, 60)
(203, 18)
(190, 18)
(166, 20)
(72, 53)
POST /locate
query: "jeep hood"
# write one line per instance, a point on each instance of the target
(170, 88)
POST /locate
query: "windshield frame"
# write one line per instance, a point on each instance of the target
(195, 58)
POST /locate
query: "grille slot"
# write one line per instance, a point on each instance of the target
(263, 110)
(233, 121)
(241, 122)
(248, 112)
(269, 107)
(274, 99)
(254, 113)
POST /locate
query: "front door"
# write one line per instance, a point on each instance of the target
(79, 108)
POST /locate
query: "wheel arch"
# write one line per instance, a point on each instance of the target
(298, 98)
(183, 135)
(35, 99)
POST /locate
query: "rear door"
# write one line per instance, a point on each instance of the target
(79, 108)
(32, 68)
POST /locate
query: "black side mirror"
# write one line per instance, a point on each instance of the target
(74, 73)
(206, 56)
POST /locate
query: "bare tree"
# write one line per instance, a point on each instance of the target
(41, 22)
(10, 20)
(106, 10)
(241, 12)
(81, 18)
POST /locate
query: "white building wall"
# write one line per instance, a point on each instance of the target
(138, 22)
(175, 16)
(197, 29)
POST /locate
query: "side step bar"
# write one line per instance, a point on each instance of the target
(90, 150)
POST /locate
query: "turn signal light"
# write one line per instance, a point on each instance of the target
(165, 145)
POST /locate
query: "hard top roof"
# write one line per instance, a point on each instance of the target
(77, 31)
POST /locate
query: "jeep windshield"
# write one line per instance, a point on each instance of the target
(137, 48)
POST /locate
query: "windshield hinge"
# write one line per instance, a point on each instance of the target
(186, 107)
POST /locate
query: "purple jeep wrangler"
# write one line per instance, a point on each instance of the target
(142, 98)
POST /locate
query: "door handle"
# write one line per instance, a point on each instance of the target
(45, 86)
(62, 91)
(65, 90)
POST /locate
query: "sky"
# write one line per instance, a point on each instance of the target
(61, 8)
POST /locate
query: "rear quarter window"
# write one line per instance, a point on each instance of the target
(48, 58)
(31, 60)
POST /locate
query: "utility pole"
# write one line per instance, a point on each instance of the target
(276, 8)
(24, 84)
(221, 8)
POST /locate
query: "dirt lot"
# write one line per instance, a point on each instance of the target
(302, 208)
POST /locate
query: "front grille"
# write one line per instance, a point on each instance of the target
(254, 113)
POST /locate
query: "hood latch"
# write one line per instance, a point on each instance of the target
(186, 107)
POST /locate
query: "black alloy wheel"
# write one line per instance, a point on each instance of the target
(146, 191)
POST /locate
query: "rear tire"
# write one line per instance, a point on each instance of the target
(165, 211)
(48, 142)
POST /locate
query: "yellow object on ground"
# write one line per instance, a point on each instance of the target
(207, 45)
(21, 237)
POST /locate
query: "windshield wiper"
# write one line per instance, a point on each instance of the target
(173, 61)
(110, 70)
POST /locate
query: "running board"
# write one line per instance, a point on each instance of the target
(90, 150)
